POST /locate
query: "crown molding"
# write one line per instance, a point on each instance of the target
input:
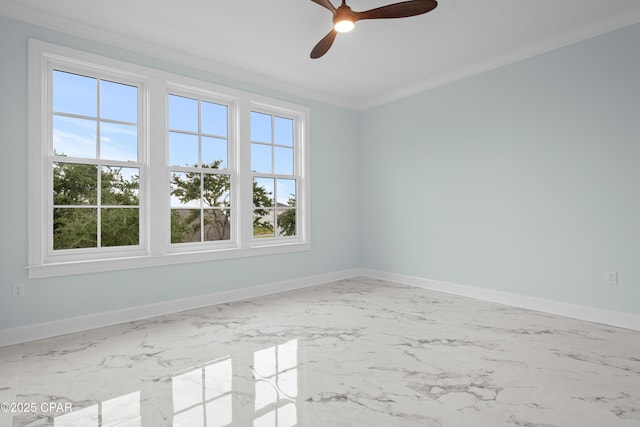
(14, 10)
(564, 39)
(114, 39)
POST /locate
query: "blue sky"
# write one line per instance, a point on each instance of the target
(194, 139)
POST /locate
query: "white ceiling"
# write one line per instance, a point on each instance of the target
(268, 41)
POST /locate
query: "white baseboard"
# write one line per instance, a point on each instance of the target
(575, 311)
(82, 323)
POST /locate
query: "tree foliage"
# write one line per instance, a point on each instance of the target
(213, 191)
(78, 220)
(287, 219)
(75, 215)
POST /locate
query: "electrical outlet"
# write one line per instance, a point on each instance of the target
(17, 290)
(610, 277)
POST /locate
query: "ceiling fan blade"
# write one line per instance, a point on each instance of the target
(323, 45)
(327, 4)
(399, 10)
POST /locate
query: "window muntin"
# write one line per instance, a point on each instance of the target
(200, 180)
(94, 164)
(203, 396)
(113, 160)
(275, 178)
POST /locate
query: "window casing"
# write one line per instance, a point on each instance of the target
(135, 167)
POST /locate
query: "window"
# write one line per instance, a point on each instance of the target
(95, 168)
(276, 387)
(274, 178)
(122, 410)
(202, 396)
(132, 167)
(200, 175)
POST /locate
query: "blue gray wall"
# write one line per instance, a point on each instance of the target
(334, 205)
(524, 179)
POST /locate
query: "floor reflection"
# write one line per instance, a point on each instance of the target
(276, 387)
(203, 396)
(122, 411)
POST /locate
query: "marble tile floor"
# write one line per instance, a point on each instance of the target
(357, 352)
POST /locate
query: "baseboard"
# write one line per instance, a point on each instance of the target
(82, 323)
(575, 311)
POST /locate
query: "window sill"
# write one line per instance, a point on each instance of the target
(112, 264)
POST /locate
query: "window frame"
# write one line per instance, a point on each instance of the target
(174, 88)
(100, 73)
(298, 172)
(155, 248)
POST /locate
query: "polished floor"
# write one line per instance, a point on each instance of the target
(357, 352)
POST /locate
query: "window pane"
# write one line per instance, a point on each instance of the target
(283, 131)
(266, 394)
(287, 222)
(183, 113)
(118, 102)
(287, 416)
(185, 190)
(183, 149)
(192, 417)
(120, 186)
(118, 142)
(288, 355)
(214, 153)
(75, 94)
(262, 192)
(187, 389)
(217, 224)
(263, 223)
(261, 158)
(288, 382)
(74, 137)
(79, 417)
(74, 184)
(75, 228)
(120, 227)
(121, 411)
(283, 160)
(215, 191)
(260, 127)
(218, 378)
(185, 225)
(214, 119)
(286, 192)
(266, 420)
(220, 412)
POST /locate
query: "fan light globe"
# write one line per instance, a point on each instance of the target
(344, 26)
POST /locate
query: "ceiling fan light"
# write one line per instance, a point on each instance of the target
(344, 26)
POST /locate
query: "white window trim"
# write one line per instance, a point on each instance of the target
(154, 248)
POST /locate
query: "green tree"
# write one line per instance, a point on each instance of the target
(261, 199)
(214, 191)
(287, 219)
(120, 225)
(75, 215)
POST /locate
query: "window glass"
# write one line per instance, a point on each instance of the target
(118, 102)
(183, 113)
(200, 186)
(117, 168)
(74, 94)
(274, 184)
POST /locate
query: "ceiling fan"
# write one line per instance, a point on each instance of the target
(344, 19)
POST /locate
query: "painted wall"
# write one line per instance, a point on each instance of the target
(334, 205)
(524, 179)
